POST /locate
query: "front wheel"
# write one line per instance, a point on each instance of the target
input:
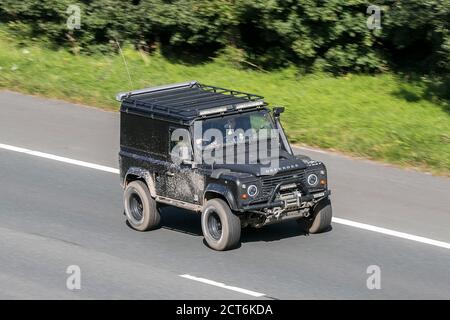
(321, 218)
(221, 228)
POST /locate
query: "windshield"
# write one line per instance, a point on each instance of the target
(251, 137)
(234, 129)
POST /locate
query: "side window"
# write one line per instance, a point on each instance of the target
(144, 134)
(180, 147)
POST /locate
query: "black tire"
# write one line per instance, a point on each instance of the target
(320, 220)
(221, 228)
(140, 208)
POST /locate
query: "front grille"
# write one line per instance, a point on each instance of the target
(270, 182)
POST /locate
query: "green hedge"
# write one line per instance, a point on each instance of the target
(313, 34)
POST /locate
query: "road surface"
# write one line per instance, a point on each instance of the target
(55, 213)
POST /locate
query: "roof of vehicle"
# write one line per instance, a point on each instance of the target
(185, 102)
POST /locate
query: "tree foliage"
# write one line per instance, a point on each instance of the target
(327, 35)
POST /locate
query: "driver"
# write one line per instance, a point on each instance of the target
(230, 131)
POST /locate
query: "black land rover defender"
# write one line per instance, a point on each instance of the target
(173, 143)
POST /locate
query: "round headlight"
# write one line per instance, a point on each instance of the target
(252, 190)
(313, 180)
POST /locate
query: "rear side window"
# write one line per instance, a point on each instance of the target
(144, 134)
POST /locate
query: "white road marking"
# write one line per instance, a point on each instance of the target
(60, 159)
(222, 285)
(354, 224)
(393, 233)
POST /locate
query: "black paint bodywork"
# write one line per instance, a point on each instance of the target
(145, 127)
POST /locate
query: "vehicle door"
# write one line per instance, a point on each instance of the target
(182, 180)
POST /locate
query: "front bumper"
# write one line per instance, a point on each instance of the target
(289, 206)
(286, 203)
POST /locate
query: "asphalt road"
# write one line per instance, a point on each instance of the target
(55, 214)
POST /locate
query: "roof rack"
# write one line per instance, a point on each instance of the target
(187, 101)
(249, 96)
(122, 95)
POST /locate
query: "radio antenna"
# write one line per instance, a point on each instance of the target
(125, 63)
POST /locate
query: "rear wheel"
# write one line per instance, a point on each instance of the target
(320, 220)
(221, 228)
(140, 208)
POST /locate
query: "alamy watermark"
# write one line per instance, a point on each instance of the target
(73, 281)
(374, 280)
(374, 20)
(74, 20)
(229, 140)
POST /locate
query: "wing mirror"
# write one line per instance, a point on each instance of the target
(189, 162)
(186, 158)
(277, 111)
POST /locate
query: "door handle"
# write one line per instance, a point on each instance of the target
(170, 174)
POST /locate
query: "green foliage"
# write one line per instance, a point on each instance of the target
(314, 35)
(309, 32)
(418, 32)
